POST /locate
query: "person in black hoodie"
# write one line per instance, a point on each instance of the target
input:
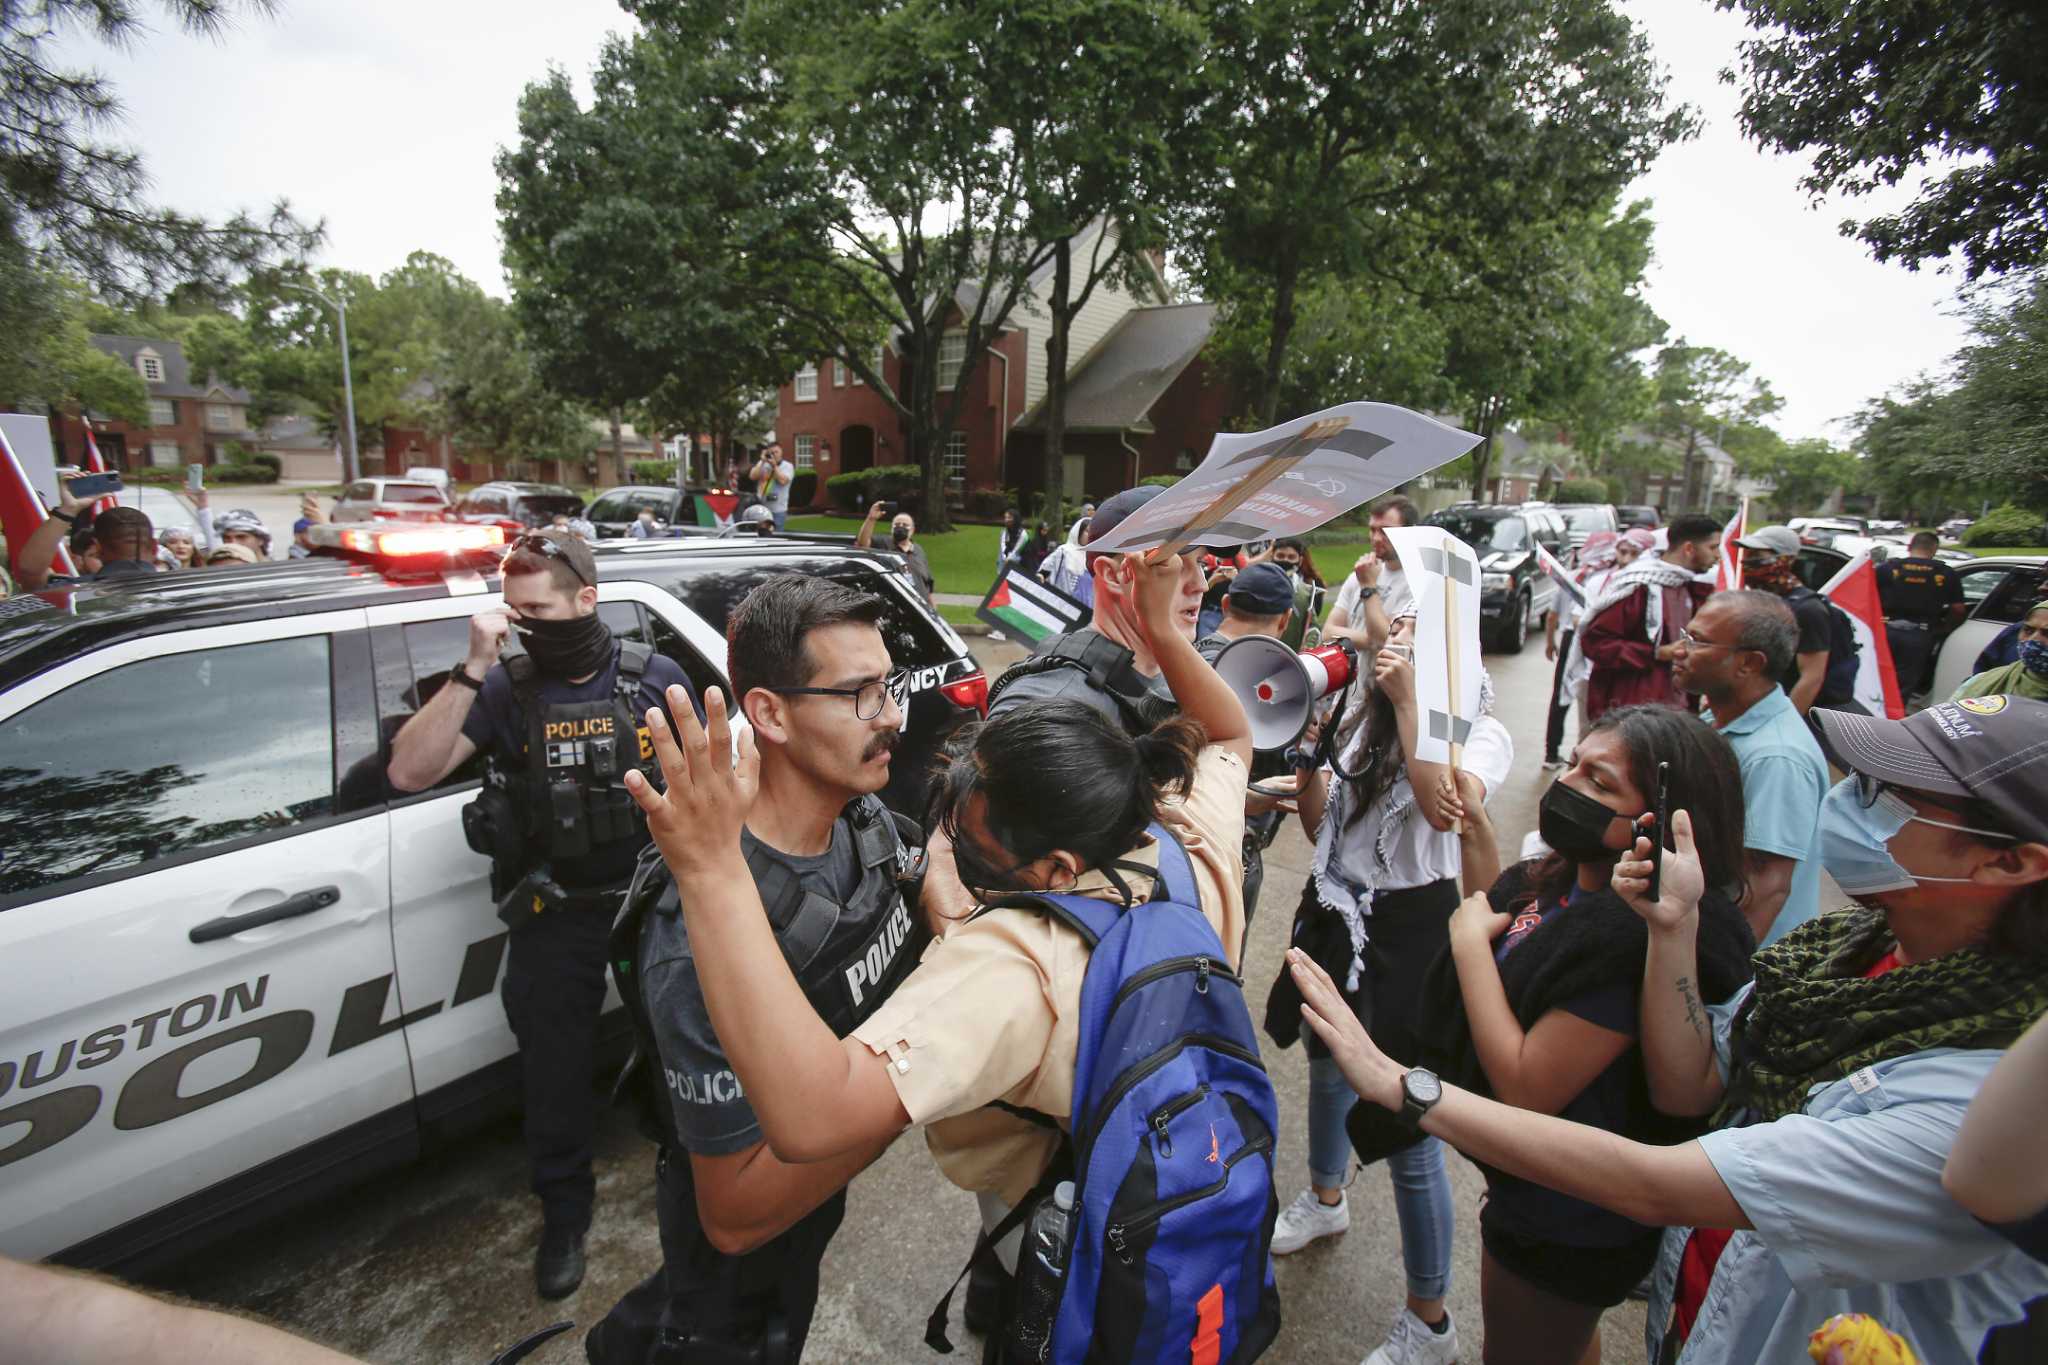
(1536, 1003)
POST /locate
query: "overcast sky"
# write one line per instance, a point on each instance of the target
(382, 116)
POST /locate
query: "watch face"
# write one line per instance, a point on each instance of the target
(1423, 1086)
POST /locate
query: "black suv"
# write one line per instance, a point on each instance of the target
(516, 507)
(615, 510)
(1514, 592)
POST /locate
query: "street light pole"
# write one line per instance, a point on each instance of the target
(352, 471)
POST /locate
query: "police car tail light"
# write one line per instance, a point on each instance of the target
(969, 693)
(426, 540)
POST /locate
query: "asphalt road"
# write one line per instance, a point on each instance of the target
(434, 1264)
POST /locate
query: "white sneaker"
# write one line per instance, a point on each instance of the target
(1412, 1343)
(1308, 1218)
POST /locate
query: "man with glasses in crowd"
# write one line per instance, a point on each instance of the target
(1733, 653)
(559, 724)
(742, 1232)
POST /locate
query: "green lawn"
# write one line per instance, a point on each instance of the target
(1982, 551)
(963, 561)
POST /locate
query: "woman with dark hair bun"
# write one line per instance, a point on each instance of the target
(1537, 1004)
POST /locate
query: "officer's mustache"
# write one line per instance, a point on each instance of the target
(884, 743)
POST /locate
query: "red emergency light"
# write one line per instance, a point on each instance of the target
(412, 542)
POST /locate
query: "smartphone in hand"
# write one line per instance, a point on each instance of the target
(1661, 814)
(195, 477)
(86, 487)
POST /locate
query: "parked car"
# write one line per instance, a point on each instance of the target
(614, 511)
(427, 473)
(1514, 592)
(1953, 528)
(516, 506)
(1823, 530)
(390, 499)
(242, 970)
(1636, 514)
(1582, 519)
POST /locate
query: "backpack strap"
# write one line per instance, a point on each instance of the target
(1107, 664)
(1062, 1168)
(633, 660)
(1176, 869)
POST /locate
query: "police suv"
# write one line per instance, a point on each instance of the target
(238, 966)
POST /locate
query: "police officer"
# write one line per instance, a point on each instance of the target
(742, 1232)
(1106, 663)
(559, 726)
(1922, 599)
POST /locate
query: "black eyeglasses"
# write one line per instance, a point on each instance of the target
(867, 698)
(1692, 641)
(552, 549)
(1869, 789)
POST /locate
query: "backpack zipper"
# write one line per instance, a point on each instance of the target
(1202, 966)
(1171, 1110)
(1144, 1219)
(1161, 1058)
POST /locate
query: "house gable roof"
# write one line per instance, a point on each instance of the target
(177, 380)
(1116, 384)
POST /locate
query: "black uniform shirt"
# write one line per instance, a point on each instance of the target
(1919, 590)
(495, 724)
(711, 1114)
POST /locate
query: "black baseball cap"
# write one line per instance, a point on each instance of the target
(1990, 750)
(1111, 513)
(1261, 589)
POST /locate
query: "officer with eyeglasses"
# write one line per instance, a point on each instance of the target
(559, 724)
(841, 880)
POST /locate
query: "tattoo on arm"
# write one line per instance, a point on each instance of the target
(1695, 1013)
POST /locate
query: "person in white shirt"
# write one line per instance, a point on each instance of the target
(1376, 591)
(1376, 911)
(772, 475)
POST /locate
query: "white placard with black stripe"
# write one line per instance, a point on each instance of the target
(1443, 573)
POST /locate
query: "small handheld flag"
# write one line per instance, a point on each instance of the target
(1561, 576)
(1728, 572)
(1029, 611)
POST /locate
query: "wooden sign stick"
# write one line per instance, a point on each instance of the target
(1274, 465)
(1453, 657)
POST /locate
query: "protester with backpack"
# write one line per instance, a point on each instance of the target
(1376, 912)
(1094, 999)
(1823, 670)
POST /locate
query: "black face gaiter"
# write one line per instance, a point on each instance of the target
(573, 648)
(1574, 824)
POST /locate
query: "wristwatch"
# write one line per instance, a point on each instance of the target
(460, 674)
(1365, 592)
(1420, 1090)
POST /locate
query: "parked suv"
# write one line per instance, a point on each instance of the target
(614, 513)
(390, 499)
(241, 968)
(1514, 592)
(514, 507)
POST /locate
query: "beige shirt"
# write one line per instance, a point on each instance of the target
(991, 1011)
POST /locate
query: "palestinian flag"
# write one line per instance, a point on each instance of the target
(1028, 611)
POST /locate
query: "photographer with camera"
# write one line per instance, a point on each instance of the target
(903, 540)
(559, 729)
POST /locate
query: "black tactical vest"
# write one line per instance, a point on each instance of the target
(848, 959)
(1108, 666)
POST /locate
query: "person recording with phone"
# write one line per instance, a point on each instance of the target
(1839, 1082)
(562, 834)
(122, 540)
(903, 540)
(1537, 1005)
(1376, 911)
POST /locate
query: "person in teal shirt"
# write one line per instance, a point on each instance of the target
(1731, 653)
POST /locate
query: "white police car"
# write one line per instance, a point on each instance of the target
(239, 968)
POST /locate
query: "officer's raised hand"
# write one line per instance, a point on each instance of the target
(487, 631)
(696, 822)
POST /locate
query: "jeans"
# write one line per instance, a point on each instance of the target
(1422, 1187)
(781, 515)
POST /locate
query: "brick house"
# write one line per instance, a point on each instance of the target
(190, 421)
(1140, 400)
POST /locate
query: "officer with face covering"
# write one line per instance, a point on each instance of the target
(742, 1231)
(559, 725)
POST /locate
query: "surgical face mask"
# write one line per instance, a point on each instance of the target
(2034, 654)
(1855, 840)
(1574, 824)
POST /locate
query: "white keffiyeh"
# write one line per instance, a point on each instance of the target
(1653, 574)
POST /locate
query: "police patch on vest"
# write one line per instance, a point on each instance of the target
(871, 967)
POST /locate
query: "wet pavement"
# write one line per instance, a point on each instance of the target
(434, 1263)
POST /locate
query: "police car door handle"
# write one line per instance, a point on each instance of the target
(305, 903)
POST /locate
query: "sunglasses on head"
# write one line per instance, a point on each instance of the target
(552, 549)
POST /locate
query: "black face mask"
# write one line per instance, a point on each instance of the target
(573, 648)
(901, 535)
(1574, 823)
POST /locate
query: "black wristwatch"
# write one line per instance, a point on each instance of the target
(1420, 1090)
(460, 674)
(59, 514)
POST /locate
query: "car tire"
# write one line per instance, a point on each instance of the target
(1514, 632)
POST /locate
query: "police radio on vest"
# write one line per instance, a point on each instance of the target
(1280, 688)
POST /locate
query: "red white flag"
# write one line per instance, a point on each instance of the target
(21, 512)
(1854, 590)
(1728, 574)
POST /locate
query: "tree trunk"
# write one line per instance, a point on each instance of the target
(1689, 479)
(1285, 278)
(1056, 386)
(618, 448)
(1482, 454)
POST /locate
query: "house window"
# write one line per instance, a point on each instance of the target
(952, 358)
(152, 369)
(807, 384)
(840, 373)
(956, 457)
(164, 454)
(806, 449)
(163, 412)
(221, 417)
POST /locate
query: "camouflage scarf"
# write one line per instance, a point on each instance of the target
(1814, 1017)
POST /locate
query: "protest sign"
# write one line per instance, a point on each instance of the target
(1290, 479)
(1443, 573)
(1854, 590)
(1028, 611)
(1561, 576)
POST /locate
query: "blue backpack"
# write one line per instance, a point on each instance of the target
(1172, 1133)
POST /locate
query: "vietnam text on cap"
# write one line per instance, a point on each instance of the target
(1993, 750)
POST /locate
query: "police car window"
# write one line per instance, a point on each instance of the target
(234, 742)
(434, 649)
(703, 677)
(2006, 594)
